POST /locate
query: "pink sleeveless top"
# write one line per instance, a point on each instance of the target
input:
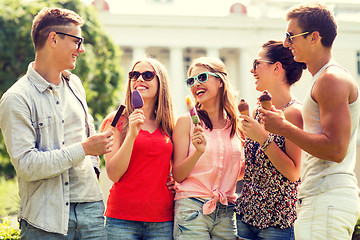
(215, 174)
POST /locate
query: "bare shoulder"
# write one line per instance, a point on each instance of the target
(335, 84)
(106, 123)
(293, 115)
(183, 123)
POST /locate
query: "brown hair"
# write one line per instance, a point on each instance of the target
(49, 20)
(316, 17)
(163, 110)
(227, 98)
(276, 52)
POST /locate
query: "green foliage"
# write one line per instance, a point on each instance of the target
(8, 232)
(9, 197)
(6, 168)
(98, 68)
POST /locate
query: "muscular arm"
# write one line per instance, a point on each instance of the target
(333, 95)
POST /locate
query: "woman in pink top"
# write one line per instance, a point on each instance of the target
(140, 205)
(207, 157)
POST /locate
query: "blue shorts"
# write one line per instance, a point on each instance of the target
(191, 223)
(249, 232)
(132, 230)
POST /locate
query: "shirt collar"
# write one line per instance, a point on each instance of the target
(39, 82)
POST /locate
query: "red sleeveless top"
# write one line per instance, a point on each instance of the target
(141, 193)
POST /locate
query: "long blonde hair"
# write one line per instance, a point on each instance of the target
(163, 111)
(227, 98)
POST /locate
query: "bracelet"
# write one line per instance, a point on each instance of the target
(267, 142)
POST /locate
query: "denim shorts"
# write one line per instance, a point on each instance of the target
(133, 230)
(86, 221)
(191, 223)
(249, 232)
(329, 215)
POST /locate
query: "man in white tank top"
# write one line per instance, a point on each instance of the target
(328, 197)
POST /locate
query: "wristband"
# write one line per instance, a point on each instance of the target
(267, 142)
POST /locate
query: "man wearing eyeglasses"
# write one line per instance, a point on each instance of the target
(51, 139)
(328, 196)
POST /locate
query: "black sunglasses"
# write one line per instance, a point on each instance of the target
(147, 76)
(81, 40)
(202, 77)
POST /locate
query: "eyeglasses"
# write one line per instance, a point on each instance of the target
(147, 76)
(201, 78)
(81, 40)
(257, 61)
(289, 37)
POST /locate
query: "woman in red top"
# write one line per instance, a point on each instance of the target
(140, 205)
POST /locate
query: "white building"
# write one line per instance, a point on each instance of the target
(231, 31)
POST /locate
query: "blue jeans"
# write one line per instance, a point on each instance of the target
(248, 232)
(86, 221)
(132, 230)
(191, 223)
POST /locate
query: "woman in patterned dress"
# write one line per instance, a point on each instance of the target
(266, 206)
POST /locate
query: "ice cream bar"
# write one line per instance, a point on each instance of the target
(192, 110)
(265, 100)
(136, 99)
(118, 115)
(243, 107)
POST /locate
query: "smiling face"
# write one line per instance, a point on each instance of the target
(147, 89)
(300, 45)
(263, 71)
(67, 47)
(203, 92)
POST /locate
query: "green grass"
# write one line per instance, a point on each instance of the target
(9, 197)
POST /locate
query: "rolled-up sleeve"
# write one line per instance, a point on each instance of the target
(31, 161)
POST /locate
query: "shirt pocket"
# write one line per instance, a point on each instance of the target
(44, 132)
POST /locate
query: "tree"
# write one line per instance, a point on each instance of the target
(98, 68)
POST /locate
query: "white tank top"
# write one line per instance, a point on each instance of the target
(318, 175)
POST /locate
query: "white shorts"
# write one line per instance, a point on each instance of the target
(328, 216)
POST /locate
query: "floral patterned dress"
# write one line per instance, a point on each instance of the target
(267, 198)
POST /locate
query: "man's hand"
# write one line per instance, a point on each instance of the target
(98, 144)
(273, 120)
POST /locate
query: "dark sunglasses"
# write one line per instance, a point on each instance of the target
(81, 40)
(147, 76)
(201, 78)
(290, 37)
(257, 61)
